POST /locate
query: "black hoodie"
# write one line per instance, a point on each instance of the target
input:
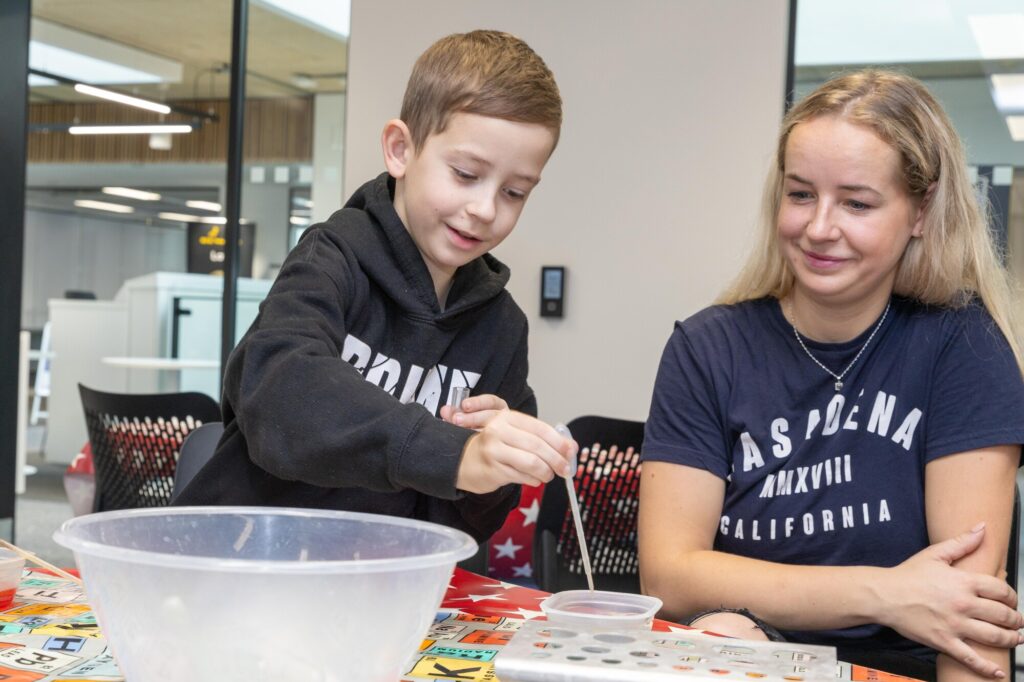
(330, 399)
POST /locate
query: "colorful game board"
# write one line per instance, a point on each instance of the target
(479, 616)
(49, 634)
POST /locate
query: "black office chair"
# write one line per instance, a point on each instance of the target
(196, 451)
(607, 483)
(135, 440)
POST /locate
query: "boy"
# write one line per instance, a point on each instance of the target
(394, 302)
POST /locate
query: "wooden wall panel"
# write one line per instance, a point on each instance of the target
(276, 130)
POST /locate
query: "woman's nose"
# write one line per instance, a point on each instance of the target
(820, 226)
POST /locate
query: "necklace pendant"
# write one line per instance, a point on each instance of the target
(839, 385)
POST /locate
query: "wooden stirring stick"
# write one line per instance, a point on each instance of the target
(29, 556)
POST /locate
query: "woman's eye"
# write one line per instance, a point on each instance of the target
(515, 194)
(858, 205)
(799, 195)
(463, 175)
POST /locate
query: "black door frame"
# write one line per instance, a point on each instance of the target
(15, 16)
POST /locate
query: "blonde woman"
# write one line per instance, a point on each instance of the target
(831, 451)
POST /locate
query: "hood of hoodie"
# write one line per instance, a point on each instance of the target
(388, 255)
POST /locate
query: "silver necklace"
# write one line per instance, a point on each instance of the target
(837, 377)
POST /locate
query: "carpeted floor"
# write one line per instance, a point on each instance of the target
(40, 511)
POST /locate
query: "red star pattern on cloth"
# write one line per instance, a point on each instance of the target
(511, 548)
(486, 597)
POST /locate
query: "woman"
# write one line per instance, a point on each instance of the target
(834, 445)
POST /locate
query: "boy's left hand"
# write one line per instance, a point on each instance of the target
(475, 412)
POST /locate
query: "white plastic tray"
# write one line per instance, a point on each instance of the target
(546, 652)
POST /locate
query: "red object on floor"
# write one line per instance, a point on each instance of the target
(80, 481)
(511, 548)
(82, 463)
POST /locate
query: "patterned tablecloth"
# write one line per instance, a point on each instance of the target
(49, 633)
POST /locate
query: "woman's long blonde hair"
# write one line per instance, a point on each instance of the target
(956, 259)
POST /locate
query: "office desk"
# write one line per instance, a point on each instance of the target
(50, 633)
(173, 366)
(161, 363)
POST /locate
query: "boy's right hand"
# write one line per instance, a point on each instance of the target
(510, 447)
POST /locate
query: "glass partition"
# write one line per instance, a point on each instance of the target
(968, 52)
(126, 186)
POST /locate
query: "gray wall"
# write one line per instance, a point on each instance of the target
(68, 251)
(671, 110)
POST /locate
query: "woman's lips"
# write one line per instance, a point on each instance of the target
(820, 261)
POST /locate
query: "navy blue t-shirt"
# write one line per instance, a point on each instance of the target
(817, 477)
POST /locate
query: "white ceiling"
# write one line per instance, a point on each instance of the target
(289, 53)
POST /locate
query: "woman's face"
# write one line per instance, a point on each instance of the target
(845, 217)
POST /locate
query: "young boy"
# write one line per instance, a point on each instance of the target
(394, 302)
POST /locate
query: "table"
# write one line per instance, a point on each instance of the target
(161, 363)
(173, 365)
(50, 633)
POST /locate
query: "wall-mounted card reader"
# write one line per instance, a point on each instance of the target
(552, 291)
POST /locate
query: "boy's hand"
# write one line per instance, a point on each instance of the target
(511, 447)
(475, 412)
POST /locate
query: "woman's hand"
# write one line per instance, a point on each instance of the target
(929, 601)
(509, 447)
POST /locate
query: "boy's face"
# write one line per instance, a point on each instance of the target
(461, 194)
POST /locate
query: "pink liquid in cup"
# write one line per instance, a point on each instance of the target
(7, 597)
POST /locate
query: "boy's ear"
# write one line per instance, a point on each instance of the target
(398, 150)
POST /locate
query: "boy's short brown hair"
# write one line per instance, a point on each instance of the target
(489, 73)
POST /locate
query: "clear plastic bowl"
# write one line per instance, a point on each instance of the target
(597, 609)
(259, 593)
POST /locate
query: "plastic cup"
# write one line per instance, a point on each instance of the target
(457, 395)
(11, 567)
(599, 609)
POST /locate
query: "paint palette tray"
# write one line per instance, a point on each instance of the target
(543, 652)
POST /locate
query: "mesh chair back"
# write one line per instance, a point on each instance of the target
(607, 484)
(135, 442)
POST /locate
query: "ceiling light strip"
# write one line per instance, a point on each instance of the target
(129, 193)
(129, 129)
(186, 218)
(103, 206)
(204, 205)
(122, 99)
(1016, 127)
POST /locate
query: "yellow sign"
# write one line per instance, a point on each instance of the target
(212, 238)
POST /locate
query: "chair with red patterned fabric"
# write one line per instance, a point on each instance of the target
(511, 548)
(607, 483)
(135, 441)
